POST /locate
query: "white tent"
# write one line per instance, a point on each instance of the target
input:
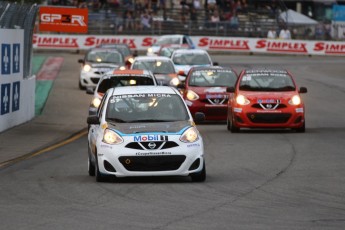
(293, 17)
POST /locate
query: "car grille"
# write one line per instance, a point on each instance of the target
(215, 101)
(267, 106)
(152, 163)
(95, 80)
(152, 145)
(270, 118)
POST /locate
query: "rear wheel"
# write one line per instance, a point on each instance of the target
(199, 176)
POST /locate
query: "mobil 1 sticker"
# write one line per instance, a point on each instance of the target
(5, 59)
(5, 98)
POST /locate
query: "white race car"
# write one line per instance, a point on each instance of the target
(145, 131)
(171, 39)
(185, 59)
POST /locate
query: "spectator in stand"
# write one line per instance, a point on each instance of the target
(271, 34)
(145, 20)
(285, 33)
(129, 20)
(234, 23)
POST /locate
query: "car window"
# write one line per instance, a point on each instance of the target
(212, 78)
(146, 108)
(104, 57)
(123, 81)
(191, 59)
(266, 82)
(156, 67)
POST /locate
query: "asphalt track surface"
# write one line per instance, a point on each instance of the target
(257, 179)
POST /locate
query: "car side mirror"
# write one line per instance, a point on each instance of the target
(93, 120)
(90, 90)
(81, 61)
(230, 89)
(303, 90)
(199, 117)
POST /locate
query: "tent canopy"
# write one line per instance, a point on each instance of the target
(293, 17)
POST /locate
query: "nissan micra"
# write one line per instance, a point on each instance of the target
(145, 131)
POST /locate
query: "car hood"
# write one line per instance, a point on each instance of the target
(104, 65)
(186, 68)
(268, 95)
(156, 127)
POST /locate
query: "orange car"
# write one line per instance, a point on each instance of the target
(266, 98)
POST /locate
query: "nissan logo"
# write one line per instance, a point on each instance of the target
(152, 145)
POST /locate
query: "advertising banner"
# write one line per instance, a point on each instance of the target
(63, 19)
(224, 44)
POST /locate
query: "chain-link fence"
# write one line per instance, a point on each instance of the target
(20, 16)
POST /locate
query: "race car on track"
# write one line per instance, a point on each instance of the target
(162, 67)
(144, 131)
(96, 62)
(185, 59)
(177, 39)
(118, 78)
(122, 48)
(167, 50)
(205, 91)
(266, 98)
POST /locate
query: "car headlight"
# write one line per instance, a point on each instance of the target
(192, 96)
(96, 102)
(242, 100)
(190, 135)
(175, 81)
(149, 50)
(87, 68)
(295, 100)
(131, 60)
(122, 68)
(111, 137)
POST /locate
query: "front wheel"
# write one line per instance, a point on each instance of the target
(301, 129)
(91, 168)
(81, 87)
(99, 176)
(231, 126)
(199, 176)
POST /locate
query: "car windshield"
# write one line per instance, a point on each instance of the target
(104, 57)
(191, 59)
(146, 108)
(212, 78)
(168, 40)
(155, 66)
(267, 82)
(119, 81)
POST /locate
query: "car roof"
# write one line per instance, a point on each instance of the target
(144, 89)
(264, 70)
(141, 58)
(190, 51)
(103, 49)
(129, 72)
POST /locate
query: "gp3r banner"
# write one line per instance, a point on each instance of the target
(63, 19)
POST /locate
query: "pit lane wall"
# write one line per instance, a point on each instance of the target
(17, 93)
(224, 44)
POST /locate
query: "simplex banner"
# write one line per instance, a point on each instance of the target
(226, 44)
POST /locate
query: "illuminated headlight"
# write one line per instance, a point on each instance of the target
(295, 100)
(175, 81)
(111, 137)
(87, 68)
(96, 102)
(132, 82)
(242, 100)
(122, 68)
(149, 50)
(190, 135)
(131, 60)
(192, 96)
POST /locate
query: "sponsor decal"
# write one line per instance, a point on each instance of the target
(215, 90)
(55, 41)
(268, 111)
(299, 110)
(152, 153)
(94, 41)
(193, 145)
(272, 101)
(106, 146)
(227, 44)
(148, 41)
(142, 138)
(332, 48)
(143, 95)
(216, 96)
(63, 19)
(137, 127)
(282, 46)
(189, 103)
(238, 110)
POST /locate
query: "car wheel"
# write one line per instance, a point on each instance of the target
(99, 176)
(233, 127)
(199, 176)
(81, 87)
(91, 168)
(301, 129)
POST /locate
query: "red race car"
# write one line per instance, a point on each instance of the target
(205, 91)
(266, 98)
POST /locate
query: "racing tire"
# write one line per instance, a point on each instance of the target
(91, 168)
(199, 176)
(232, 127)
(99, 176)
(301, 129)
(81, 87)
